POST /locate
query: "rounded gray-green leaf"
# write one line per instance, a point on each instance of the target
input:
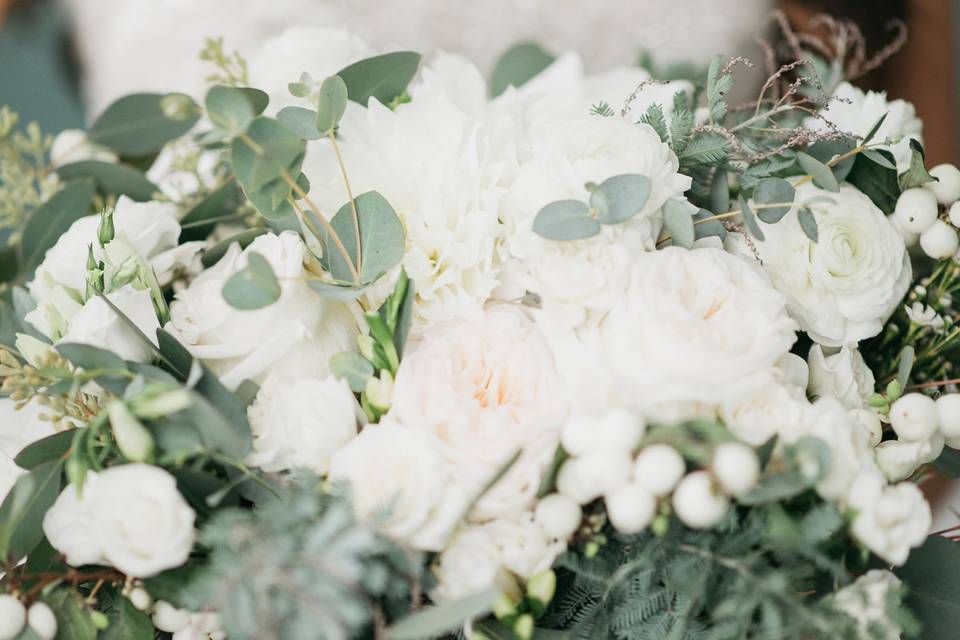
(771, 191)
(620, 198)
(822, 174)
(229, 109)
(384, 77)
(301, 121)
(254, 287)
(749, 220)
(142, 123)
(809, 224)
(331, 103)
(565, 220)
(678, 220)
(382, 239)
(353, 368)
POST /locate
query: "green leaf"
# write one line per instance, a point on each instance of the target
(720, 191)
(709, 228)
(268, 152)
(257, 98)
(430, 622)
(404, 315)
(48, 449)
(905, 366)
(917, 175)
(219, 206)
(254, 286)
(873, 130)
(331, 103)
(353, 368)
(655, 118)
(22, 511)
(342, 292)
(93, 359)
(619, 198)
(382, 240)
(565, 220)
(301, 121)
(141, 123)
(933, 591)
(949, 462)
(548, 482)
(705, 148)
(770, 191)
(111, 179)
(45, 225)
(73, 619)
(717, 87)
(127, 623)
(879, 158)
(679, 222)
(749, 221)
(229, 109)
(808, 223)
(878, 181)
(384, 77)
(212, 255)
(9, 263)
(518, 65)
(822, 175)
(827, 150)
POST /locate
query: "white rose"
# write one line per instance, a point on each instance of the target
(890, 519)
(775, 406)
(484, 390)
(842, 375)
(470, 565)
(18, 428)
(301, 423)
(867, 601)
(292, 338)
(525, 549)
(400, 482)
(842, 288)
(98, 325)
(74, 145)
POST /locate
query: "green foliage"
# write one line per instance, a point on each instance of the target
(679, 222)
(518, 65)
(875, 174)
(770, 191)
(619, 198)
(22, 510)
(681, 122)
(220, 205)
(917, 174)
(808, 223)
(24, 182)
(384, 77)
(111, 179)
(655, 118)
(435, 621)
(719, 83)
(52, 219)
(301, 121)
(331, 103)
(704, 148)
(933, 593)
(229, 109)
(565, 220)
(140, 124)
(253, 287)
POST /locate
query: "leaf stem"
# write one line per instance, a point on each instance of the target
(353, 203)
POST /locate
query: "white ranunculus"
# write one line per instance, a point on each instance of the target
(842, 288)
(98, 325)
(854, 111)
(131, 517)
(74, 145)
(484, 390)
(292, 338)
(301, 423)
(842, 375)
(401, 483)
(867, 601)
(890, 519)
(18, 428)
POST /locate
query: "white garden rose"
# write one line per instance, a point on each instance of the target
(18, 428)
(291, 338)
(301, 423)
(890, 519)
(842, 288)
(867, 601)
(483, 391)
(842, 375)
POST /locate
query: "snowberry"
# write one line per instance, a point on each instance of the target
(914, 417)
(41, 621)
(916, 210)
(897, 458)
(167, 617)
(558, 516)
(870, 422)
(736, 467)
(948, 410)
(954, 214)
(697, 503)
(931, 449)
(578, 434)
(12, 617)
(140, 599)
(631, 508)
(954, 442)
(588, 477)
(619, 429)
(946, 187)
(940, 241)
(658, 468)
(909, 238)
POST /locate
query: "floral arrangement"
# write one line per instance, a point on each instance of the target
(382, 351)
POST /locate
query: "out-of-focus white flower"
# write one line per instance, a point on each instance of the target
(187, 625)
(18, 428)
(301, 423)
(74, 145)
(890, 519)
(698, 502)
(924, 315)
(842, 375)
(772, 408)
(867, 601)
(181, 170)
(842, 288)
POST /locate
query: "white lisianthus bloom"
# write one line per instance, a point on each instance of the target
(842, 288)
(293, 337)
(18, 428)
(301, 423)
(74, 145)
(890, 519)
(854, 111)
(483, 391)
(131, 517)
(399, 482)
(98, 325)
(842, 375)
(867, 601)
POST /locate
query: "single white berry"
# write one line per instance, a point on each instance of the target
(954, 214)
(140, 599)
(578, 433)
(619, 429)
(167, 617)
(41, 621)
(946, 187)
(897, 458)
(658, 468)
(909, 238)
(931, 449)
(948, 410)
(940, 241)
(870, 422)
(558, 516)
(631, 508)
(13, 616)
(916, 210)
(586, 478)
(736, 467)
(697, 502)
(954, 442)
(914, 417)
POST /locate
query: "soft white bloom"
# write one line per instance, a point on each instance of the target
(774, 406)
(842, 288)
(292, 338)
(42, 621)
(736, 467)
(616, 429)
(18, 428)
(587, 477)
(890, 519)
(923, 315)
(525, 549)
(867, 600)
(74, 145)
(484, 390)
(401, 483)
(98, 325)
(187, 625)
(130, 517)
(897, 459)
(13, 615)
(914, 417)
(854, 111)
(658, 468)
(631, 508)
(182, 169)
(842, 375)
(301, 423)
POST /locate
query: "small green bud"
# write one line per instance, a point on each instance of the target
(591, 549)
(504, 607)
(894, 390)
(380, 390)
(92, 264)
(106, 231)
(133, 439)
(100, 621)
(178, 106)
(542, 586)
(523, 627)
(157, 401)
(877, 401)
(365, 344)
(659, 526)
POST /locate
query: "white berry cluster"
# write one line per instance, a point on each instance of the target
(923, 425)
(14, 616)
(917, 214)
(636, 485)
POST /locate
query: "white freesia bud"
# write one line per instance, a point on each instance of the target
(940, 241)
(697, 502)
(898, 459)
(870, 422)
(74, 145)
(167, 617)
(588, 477)
(631, 508)
(916, 210)
(658, 468)
(133, 439)
(140, 599)
(380, 390)
(41, 621)
(948, 410)
(946, 187)
(914, 417)
(578, 433)
(558, 515)
(13, 616)
(954, 214)
(736, 467)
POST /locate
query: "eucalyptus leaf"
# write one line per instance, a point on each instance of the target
(73, 617)
(93, 359)
(705, 226)
(45, 450)
(822, 174)
(619, 198)
(218, 206)
(771, 191)
(384, 77)
(243, 238)
(442, 619)
(254, 286)
(353, 368)
(905, 366)
(826, 150)
(679, 222)
(342, 292)
(268, 152)
(749, 220)
(22, 511)
(808, 223)
(876, 127)
(720, 192)
(301, 121)
(127, 623)
(331, 103)
(879, 159)
(382, 239)
(565, 220)
(518, 65)
(111, 178)
(229, 109)
(142, 123)
(52, 219)
(933, 592)
(877, 180)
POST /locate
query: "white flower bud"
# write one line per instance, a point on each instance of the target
(914, 417)
(954, 214)
(157, 402)
(41, 621)
(940, 241)
(558, 515)
(167, 617)
(916, 210)
(870, 422)
(631, 508)
(897, 458)
(697, 502)
(588, 477)
(140, 599)
(946, 187)
(948, 410)
(13, 616)
(658, 468)
(736, 467)
(380, 390)
(133, 439)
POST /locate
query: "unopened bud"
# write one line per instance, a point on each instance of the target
(178, 106)
(380, 390)
(504, 607)
(365, 344)
(542, 586)
(158, 401)
(106, 231)
(133, 439)
(523, 627)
